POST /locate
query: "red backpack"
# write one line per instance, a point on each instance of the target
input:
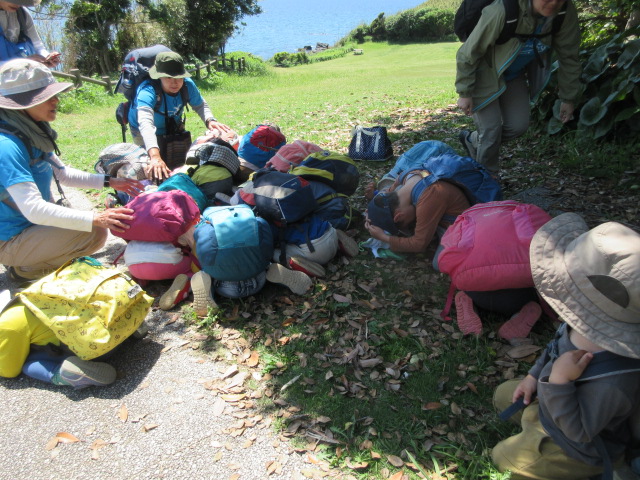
(161, 216)
(487, 247)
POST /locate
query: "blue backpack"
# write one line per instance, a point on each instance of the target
(233, 244)
(260, 144)
(279, 197)
(332, 206)
(472, 178)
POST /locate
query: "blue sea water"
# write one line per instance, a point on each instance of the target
(287, 25)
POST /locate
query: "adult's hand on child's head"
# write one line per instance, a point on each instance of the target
(129, 186)
(157, 169)
(569, 366)
(113, 218)
(525, 389)
(466, 105)
(215, 125)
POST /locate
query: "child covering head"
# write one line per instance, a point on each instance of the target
(579, 423)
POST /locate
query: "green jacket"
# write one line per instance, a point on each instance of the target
(481, 63)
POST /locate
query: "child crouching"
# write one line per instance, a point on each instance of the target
(588, 380)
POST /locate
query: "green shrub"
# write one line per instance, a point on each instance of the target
(419, 25)
(610, 105)
(281, 58)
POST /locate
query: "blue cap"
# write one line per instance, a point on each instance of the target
(380, 213)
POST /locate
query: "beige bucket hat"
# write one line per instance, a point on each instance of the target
(591, 278)
(25, 83)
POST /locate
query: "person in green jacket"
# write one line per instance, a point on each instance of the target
(496, 82)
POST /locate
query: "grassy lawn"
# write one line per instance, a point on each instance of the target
(362, 373)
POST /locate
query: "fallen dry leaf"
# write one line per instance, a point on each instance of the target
(431, 406)
(150, 426)
(52, 443)
(64, 437)
(395, 461)
(254, 359)
(522, 351)
(123, 413)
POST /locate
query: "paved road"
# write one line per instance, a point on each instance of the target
(174, 427)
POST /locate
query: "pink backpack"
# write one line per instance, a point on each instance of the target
(487, 247)
(157, 260)
(161, 216)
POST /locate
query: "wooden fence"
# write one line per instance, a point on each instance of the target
(222, 64)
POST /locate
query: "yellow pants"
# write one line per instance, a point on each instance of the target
(532, 453)
(19, 329)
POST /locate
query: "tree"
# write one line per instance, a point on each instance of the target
(199, 27)
(91, 31)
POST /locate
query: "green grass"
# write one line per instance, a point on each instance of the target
(428, 398)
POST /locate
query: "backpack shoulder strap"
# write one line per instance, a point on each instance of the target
(157, 88)
(606, 364)
(11, 130)
(559, 18)
(512, 11)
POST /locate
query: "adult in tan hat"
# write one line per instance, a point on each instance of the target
(588, 381)
(19, 37)
(37, 235)
(153, 123)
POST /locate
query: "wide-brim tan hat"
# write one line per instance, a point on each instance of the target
(591, 278)
(26, 83)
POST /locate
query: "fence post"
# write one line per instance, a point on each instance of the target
(78, 77)
(215, 63)
(224, 63)
(197, 71)
(233, 64)
(244, 64)
(208, 68)
(107, 84)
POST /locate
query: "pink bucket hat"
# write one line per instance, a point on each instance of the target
(591, 278)
(292, 154)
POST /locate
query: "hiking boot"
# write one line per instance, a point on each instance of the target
(297, 282)
(519, 325)
(346, 244)
(178, 291)
(468, 319)
(80, 373)
(202, 297)
(465, 139)
(304, 265)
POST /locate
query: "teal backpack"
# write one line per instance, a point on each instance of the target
(232, 244)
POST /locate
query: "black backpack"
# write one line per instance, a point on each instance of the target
(470, 11)
(134, 71)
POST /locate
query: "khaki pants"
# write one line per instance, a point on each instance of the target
(40, 249)
(532, 453)
(504, 119)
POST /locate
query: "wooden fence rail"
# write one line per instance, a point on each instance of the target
(222, 64)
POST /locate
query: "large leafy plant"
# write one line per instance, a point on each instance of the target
(610, 105)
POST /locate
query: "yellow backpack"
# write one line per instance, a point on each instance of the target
(89, 307)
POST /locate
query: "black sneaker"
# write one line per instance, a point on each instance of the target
(465, 139)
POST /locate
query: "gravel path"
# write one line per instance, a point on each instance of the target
(160, 419)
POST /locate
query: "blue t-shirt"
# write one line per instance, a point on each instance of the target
(17, 168)
(172, 104)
